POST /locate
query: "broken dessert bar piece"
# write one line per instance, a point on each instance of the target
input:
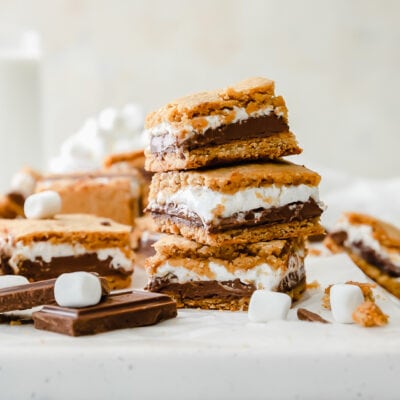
(224, 277)
(373, 245)
(242, 122)
(128, 309)
(238, 204)
(12, 205)
(44, 249)
(109, 195)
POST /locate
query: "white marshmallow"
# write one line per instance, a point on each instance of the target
(7, 281)
(268, 306)
(42, 205)
(344, 300)
(77, 289)
(24, 183)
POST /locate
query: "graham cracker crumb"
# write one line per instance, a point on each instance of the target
(368, 314)
(314, 252)
(313, 285)
(366, 289)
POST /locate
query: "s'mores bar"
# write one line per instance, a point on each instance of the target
(44, 249)
(246, 121)
(127, 162)
(373, 245)
(109, 195)
(239, 204)
(224, 277)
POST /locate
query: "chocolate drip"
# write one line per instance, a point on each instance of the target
(251, 128)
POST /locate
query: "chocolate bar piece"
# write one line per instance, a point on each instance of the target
(306, 315)
(373, 245)
(239, 204)
(126, 309)
(23, 297)
(246, 121)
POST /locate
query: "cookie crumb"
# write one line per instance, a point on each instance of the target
(313, 285)
(368, 314)
(326, 299)
(366, 289)
(314, 252)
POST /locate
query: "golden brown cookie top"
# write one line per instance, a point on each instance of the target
(251, 94)
(85, 229)
(233, 178)
(386, 234)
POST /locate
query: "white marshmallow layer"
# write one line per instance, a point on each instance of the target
(363, 233)
(204, 201)
(213, 122)
(46, 250)
(262, 276)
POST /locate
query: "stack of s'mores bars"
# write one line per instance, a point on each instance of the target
(236, 215)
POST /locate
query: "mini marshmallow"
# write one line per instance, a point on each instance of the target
(268, 306)
(344, 300)
(42, 205)
(7, 281)
(24, 183)
(77, 289)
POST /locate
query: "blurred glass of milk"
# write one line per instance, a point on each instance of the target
(20, 98)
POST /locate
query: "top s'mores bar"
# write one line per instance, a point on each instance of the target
(373, 245)
(242, 122)
(239, 204)
(42, 249)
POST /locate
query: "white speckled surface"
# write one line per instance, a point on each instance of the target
(212, 355)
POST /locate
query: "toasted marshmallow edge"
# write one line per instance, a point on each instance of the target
(205, 202)
(7, 281)
(268, 306)
(77, 289)
(42, 205)
(212, 122)
(344, 299)
(262, 276)
(363, 233)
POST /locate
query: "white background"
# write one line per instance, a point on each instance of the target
(337, 64)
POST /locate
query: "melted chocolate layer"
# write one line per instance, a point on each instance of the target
(229, 290)
(291, 212)
(368, 254)
(259, 127)
(39, 270)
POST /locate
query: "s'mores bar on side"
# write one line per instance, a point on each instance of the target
(42, 249)
(240, 204)
(109, 195)
(242, 122)
(224, 277)
(373, 245)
